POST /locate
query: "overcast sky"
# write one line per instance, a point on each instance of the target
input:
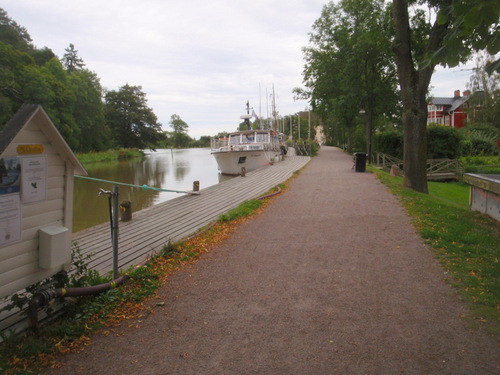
(201, 60)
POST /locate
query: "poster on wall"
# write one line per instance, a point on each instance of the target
(10, 219)
(34, 179)
(10, 175)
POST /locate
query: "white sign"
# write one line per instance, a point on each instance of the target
(34, 179)
(10, 219)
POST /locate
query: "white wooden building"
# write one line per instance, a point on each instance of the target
(37, 169)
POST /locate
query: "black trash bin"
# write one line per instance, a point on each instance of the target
(360, 161)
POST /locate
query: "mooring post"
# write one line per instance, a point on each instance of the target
(196, 186)
(243, 171)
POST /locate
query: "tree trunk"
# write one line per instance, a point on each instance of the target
(349, 138)
(414, 85)
(369, 131)
(415, 144)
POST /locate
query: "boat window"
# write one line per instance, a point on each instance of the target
(262, 137)
(234, 139)
(247, 138)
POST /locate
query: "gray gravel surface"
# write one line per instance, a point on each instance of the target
(330, 279)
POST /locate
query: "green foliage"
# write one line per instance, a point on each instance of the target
(111, 155)
(475, 28)
(349, 68)
(204, 141)
(88, 110)
(480, 139)
(390, 143)
(71, 60)
(13, 34)
(132, 122)
(481, 164)
(443, 142)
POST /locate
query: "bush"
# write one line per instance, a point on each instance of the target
(443, 142)
(480, 139)
(390, 143)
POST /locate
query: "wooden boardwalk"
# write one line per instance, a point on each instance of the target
(176, 219)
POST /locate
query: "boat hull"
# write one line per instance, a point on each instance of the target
(231, 162)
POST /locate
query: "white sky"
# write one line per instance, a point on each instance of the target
(199, 59)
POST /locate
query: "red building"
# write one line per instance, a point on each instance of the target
(449, 111)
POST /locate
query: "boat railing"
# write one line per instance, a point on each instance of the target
(222, 144)
(217, 143)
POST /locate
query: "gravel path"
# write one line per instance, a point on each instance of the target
(330, 278)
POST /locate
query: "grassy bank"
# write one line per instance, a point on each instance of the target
(481, 164)
(110, 155)
(466, 243)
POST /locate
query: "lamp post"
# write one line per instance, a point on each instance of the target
(309, 120)
(298, 120)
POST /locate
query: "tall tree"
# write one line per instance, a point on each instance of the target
(347, 69)
(180, 128)
(484, 105)
(71, 60)
(132, 122)
(88, 111)
(419, 45)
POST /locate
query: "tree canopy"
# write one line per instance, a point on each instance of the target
(179, 134)
(348, 69)
(71, 60)
(131, 121)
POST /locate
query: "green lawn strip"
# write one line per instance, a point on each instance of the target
(466, 243)
(107, 156)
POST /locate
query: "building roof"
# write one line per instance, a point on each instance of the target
(454, 102)
(25, 114)
(442, 101)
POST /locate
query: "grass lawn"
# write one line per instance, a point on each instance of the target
(466, 243)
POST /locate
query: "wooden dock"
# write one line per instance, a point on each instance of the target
(176, 219)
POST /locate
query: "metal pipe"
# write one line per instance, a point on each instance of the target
(114, 231)
(43, 298)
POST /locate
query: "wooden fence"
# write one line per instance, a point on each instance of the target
(437, 169)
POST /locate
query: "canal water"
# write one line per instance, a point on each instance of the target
(166, 169)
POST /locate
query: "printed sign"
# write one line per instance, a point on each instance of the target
(34, 179)
(10, 175)
(10, 219)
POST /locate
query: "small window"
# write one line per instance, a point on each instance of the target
(242, 159)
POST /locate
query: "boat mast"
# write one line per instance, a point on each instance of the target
(274, 110)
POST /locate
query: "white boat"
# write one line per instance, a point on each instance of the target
(248, 149)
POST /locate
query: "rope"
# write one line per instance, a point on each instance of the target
(143, 187)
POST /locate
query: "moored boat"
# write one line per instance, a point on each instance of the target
(245, 150)
(249, 149)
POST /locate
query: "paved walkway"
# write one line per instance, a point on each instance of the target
(330, 278)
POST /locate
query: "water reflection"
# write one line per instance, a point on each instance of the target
(167, 169)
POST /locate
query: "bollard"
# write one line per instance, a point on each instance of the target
(126, 211)
(196, 186)
(243, 171)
